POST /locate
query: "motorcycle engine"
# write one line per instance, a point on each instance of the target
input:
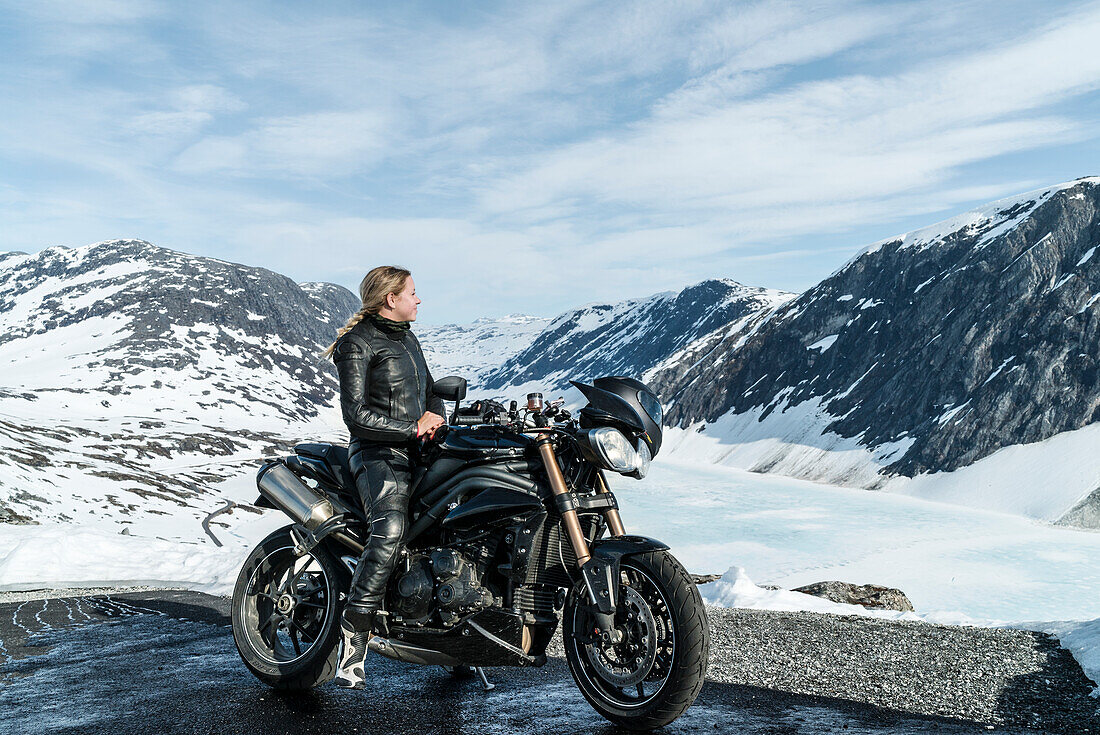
(442, 581)
(411, 597)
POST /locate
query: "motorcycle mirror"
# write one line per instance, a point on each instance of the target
(451, 388)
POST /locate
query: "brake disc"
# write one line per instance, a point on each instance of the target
(630, 660)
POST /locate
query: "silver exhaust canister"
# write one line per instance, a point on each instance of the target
(286, 492)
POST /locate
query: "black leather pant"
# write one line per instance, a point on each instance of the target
(382, 476)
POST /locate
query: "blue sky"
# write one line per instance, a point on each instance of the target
(533, 157)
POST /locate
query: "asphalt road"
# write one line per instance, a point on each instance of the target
(164, 662)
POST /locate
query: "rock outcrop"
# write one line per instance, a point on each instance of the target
(872, 596)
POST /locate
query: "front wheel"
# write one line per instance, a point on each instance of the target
(654, 672)
(286, 612)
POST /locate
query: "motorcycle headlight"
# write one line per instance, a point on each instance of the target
(613, 450)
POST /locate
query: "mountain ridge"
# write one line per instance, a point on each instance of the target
(925, 353)
(922, 357)
(626, 337)
(121, 358)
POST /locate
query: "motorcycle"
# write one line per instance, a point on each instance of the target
(513, 528)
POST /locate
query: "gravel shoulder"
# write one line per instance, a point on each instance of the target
(992, 675)
(966, 679)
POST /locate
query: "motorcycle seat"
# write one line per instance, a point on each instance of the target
(335, 459)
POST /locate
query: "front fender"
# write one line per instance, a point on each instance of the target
(601, 573)
(620, 546)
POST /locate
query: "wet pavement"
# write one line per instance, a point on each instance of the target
(165, 662)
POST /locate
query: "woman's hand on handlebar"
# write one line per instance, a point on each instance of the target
(428, 423)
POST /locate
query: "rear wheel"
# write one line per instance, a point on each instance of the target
(286, 613)
(655, 671)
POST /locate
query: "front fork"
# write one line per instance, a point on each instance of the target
(611, 515)
(597, 572)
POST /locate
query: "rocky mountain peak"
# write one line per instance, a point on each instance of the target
(627, 337)
(929, 351)
(120, 352)
(146, 308)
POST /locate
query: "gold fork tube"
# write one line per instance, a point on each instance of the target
(557, 484)
(614, 521)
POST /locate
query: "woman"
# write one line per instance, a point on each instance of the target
(387, 403)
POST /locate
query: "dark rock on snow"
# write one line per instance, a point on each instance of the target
(871, 596)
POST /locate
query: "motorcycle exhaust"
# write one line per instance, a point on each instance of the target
(289, 494)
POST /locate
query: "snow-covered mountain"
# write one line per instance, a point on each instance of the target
(134, 378)
(964, 355)
(473, 350)
(957, 362)
(625, 338)
(137, 379)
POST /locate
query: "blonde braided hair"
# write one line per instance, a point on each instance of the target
(375, 286)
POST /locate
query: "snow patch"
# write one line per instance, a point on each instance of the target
(1062, 281)
(735, 589)
(1000, 367)
(792, 440)
(951, 413)
(992, 220)
(1042, 480)
(61, 556)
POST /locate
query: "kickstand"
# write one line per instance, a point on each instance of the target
(485, 685)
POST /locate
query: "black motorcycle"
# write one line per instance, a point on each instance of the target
(513, 527)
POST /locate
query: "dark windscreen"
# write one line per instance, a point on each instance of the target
(651, 405)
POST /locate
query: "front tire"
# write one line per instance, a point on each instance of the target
(286, 613)
(655, 672)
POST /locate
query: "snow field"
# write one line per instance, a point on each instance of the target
(948, 559)
(1041, 481)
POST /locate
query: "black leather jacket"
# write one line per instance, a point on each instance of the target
(385, 386)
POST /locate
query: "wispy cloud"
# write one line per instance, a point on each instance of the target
(630, 147)
(824, 142)
(331, 144)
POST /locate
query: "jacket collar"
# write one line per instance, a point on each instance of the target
(388, 325)
(373, 327)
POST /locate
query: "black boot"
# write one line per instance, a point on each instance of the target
(355, 629)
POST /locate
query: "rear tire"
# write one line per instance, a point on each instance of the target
(286, 614)
(654, 674)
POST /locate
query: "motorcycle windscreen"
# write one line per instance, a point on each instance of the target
(611, 404)
(643, 400)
